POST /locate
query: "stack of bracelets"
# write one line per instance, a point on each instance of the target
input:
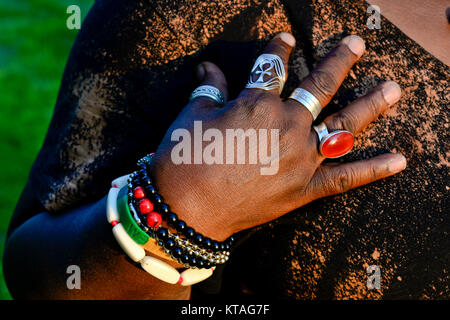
(136, 211)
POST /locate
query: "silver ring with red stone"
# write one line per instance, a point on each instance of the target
(333, 144)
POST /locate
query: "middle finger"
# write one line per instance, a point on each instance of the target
(325, 79)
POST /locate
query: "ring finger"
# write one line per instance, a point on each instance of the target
(270, 70)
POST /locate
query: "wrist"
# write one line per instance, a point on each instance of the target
(133, 240)
(188, 197)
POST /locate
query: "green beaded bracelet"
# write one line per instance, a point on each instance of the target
(130, 225)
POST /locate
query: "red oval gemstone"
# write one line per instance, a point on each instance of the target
(154, 219)
(337, 144)
(138, 193)
(145, 206)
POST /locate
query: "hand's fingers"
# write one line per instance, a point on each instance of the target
(332, 179)
(357, 115)
(281, 45)
(210, 74)
(325, 79)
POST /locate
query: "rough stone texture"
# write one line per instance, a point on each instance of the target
(116, 101)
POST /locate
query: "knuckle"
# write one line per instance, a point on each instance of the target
(283, 53)
(202, 102)
(289, 134)
(344, 180)
(343, 56)
(268, 107)
(373, 103)
(342, 121)
(257, 105)
(374, 172)
(246, 101)
(324, 82)
(281, 49)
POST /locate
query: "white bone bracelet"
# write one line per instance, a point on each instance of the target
(157, 268)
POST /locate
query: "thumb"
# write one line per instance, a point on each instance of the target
(210, 74)
(333, 178)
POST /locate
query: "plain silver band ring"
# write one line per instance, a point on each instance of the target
(209, 92)
(308, 100)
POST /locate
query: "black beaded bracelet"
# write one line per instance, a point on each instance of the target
(142, 178)
(182, 251)
(202, 253)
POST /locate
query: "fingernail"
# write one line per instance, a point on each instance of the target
(391, 92)
(355, 44)
(200, 72)
(287, 38)
(397, 163)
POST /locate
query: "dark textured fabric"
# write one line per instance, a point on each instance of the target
(131, 71)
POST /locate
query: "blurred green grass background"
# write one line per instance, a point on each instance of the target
(34, 46)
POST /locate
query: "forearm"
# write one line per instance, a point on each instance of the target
(39, 251)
